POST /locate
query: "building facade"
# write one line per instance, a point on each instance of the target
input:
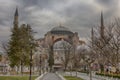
(62, 39)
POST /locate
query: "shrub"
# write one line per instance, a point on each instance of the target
(109, 75)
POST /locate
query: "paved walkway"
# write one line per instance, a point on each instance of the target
(86, 76)
(83, 76)
(51, 76)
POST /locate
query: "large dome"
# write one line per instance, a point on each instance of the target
(61, 30)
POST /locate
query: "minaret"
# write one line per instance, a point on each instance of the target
(60, 24)
(16, 18)
(102, 26)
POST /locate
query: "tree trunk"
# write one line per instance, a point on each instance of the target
(17, 70)
(21, 68)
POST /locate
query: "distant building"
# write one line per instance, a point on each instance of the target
(3, 63)
(59, 34)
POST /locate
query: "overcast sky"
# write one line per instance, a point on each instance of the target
(78, 15)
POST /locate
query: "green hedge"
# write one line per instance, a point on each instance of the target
(109, 75)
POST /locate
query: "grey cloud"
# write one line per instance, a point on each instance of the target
(106, 2)
(46, 4)
(43, 15)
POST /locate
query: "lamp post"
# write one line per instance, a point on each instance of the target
(30, 65)
(31, 44)
(40, 65)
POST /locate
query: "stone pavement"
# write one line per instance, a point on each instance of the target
(51, 76)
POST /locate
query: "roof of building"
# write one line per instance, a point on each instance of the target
(16, 12)
(61, 30)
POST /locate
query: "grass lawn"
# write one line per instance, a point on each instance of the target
(16, 77)
(72, 78)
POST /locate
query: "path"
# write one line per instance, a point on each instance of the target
(51, 76)
(86, 77)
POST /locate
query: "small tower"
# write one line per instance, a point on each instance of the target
(16, 18)
(102, 26)
(60, 24)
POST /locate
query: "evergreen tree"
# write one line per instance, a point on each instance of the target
(20, 45)
(14, 47)
(26, 37)
(27, 42)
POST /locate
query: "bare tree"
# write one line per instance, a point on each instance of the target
(67, 48)
(4, 47)
(107, 48)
